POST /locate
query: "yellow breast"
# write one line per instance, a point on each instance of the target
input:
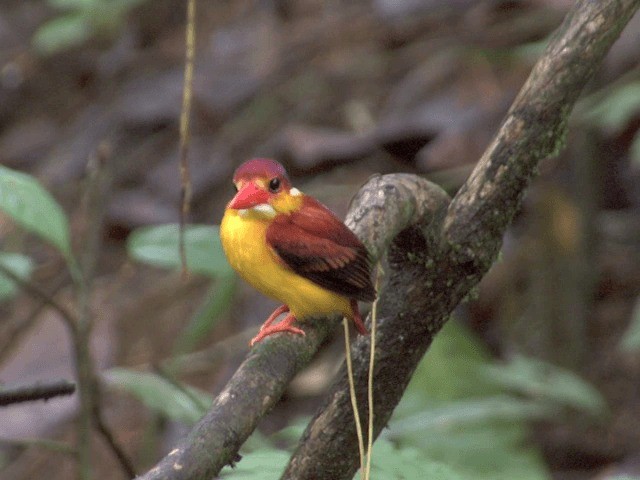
(244, 242)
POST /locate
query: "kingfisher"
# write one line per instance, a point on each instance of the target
(292, 248)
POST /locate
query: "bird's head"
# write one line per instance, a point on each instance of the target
(263, 188)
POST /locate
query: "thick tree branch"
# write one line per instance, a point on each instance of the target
(384, 207)
(437, 270)
(433, 262)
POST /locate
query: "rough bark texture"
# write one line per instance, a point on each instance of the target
(384, 207)
(436, 255)
(435, 272)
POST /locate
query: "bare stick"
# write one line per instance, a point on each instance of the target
(39, 391)
(185, 116)
(94, 205)
(352, 396)
(35, 291)
(13, 330)
(372, 358)
(103, 428)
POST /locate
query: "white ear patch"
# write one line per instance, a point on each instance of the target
(294, 192)
(265, 209)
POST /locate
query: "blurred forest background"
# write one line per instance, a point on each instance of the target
(536, 376)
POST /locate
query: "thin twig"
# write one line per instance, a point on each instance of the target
(32, 289)
(94, 205)
(372, 356)
(14, 330)
(101, 425)
(51, 445)
(169, 376)
(352, 394)
(185, 115)
(39, 391)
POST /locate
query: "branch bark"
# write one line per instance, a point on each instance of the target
(441, 267)
(383, 208)
(39, 391)
(435, 255)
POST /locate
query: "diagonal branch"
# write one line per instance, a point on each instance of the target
(434, 272)
(384, 207)
(435, 257)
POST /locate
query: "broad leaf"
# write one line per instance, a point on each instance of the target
(634, 150)
(219, 300)
(31, 206)
(158, 245)
(186, 405)
(407, 463)
(462, 413)
(455, 416)
(259, 465)
(18, 264)
(617, 108)
(547, 382)
(631, 338)
(61, 33)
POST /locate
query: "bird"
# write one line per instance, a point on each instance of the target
(292, 248)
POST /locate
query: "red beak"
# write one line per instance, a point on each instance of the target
(249, 196)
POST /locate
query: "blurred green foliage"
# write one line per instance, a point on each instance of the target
(631, 338)
(615, 107)
(175, 402)
(612, 109)
(80, 20)
(158, 245)
(463, 415)
(33, 208)
(19, 265)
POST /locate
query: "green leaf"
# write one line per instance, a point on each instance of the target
(634, 150)
(32, 207)
(70, 4)
(616, 108)
(20, 265)
(462, 413)
(454, 415)
(265, 464)
(547, 382)
(158, 245)
(186, 405)
(450, 370)
(60, 33)
(631, 338)
(407, 463)
(218, 302)
(483, 452)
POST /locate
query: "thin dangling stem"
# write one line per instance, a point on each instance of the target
(352, 394)
(372, 355)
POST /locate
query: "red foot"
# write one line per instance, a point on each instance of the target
(276, 313)
(357, 318)
(284, 326)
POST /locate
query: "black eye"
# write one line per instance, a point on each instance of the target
(274, 185)
(235, 188)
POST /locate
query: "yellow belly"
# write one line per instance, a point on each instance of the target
(244, 243)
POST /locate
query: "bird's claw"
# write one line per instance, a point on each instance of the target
(284, 326)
